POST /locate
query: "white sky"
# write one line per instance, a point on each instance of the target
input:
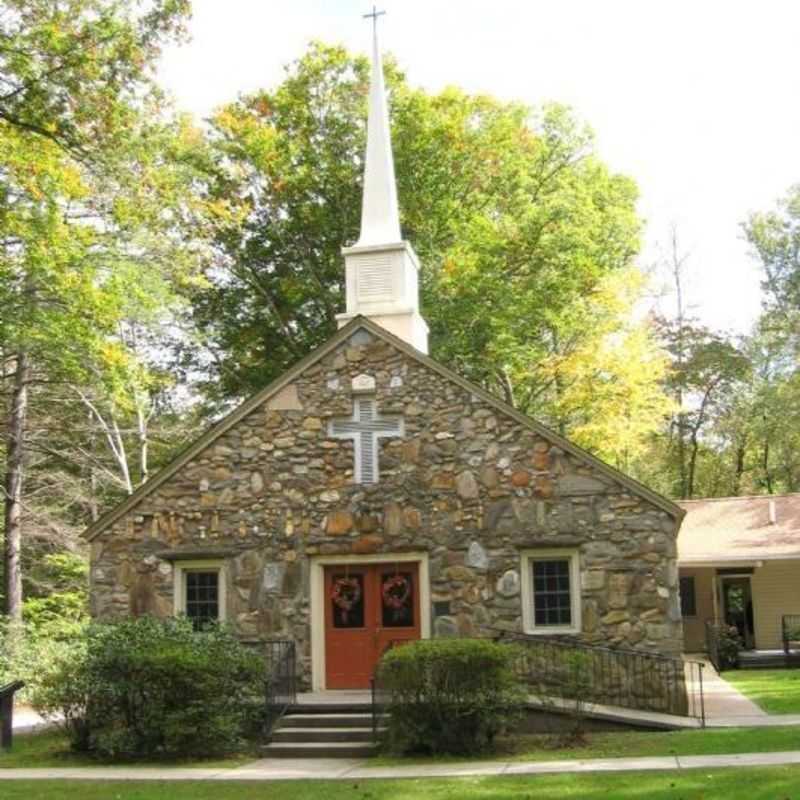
(697, 100)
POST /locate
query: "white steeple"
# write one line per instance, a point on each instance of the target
(380, 217)
(382, 269)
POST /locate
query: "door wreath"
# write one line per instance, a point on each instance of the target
(345, 594)
(395, 591)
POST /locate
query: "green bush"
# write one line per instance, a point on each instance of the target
(450, 695)
(28, 652)
(154, 688)
(729, 643)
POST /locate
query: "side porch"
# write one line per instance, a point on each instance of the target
(759, 598)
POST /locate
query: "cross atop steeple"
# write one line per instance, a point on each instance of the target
(374, 16)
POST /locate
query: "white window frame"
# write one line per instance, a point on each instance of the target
(200, 565)
(528, 557)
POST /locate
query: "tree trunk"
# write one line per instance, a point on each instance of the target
(741, 452)
(15, 469)
(142, 420)
(765, 466)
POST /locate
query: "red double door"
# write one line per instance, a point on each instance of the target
(368, 608)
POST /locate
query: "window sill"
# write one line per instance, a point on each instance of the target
(551, 631)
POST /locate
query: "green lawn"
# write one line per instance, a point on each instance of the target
(711, 741)
(777, 691)
(756, 783)
(51, 749)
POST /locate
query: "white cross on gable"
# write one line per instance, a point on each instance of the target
(365, 428)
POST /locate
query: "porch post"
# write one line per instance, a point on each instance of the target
(715, 595)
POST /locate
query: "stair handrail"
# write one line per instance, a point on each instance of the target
(380, 695)
(712, 644)
(280, 684)
(790, 632)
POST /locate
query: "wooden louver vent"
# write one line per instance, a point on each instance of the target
(375, 278)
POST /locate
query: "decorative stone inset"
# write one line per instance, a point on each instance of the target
(273, 577)
(508, 585)
(476, 556)
(363, 383)
(445, 627)
(339, 523)
(466, 485)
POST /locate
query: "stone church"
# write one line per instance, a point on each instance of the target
(370, 495)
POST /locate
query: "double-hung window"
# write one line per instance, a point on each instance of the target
(200, 591)
(551, 591)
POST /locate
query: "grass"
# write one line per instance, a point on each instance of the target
(752, 783)
(631, 744)
(777, 691)
(50, 748)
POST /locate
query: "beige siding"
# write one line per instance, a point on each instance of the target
(776, 591)
(694, 640)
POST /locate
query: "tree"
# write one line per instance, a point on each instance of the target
(519, 226)
(707, 369)
(707, 373)
(775, 238)
(81, 187)
(602, 379)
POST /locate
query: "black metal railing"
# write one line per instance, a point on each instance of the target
(281, 681)
(7, 693)
(790, 632)
(381, 698)
(380, 694)
(555, 669)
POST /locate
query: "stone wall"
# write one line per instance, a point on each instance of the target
(467, 483)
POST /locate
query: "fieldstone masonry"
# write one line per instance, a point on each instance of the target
(466, 483)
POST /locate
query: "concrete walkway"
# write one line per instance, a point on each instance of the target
(727, 707)
(27, 720)
(346, 769)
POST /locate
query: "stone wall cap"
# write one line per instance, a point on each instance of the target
(187, 553)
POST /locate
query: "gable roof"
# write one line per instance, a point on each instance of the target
(198, 445)
(739, 529)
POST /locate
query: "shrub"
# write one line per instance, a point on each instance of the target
(729, 643)
(147, 687)
(450, 695)
(28, 652)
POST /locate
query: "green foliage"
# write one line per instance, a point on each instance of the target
(526, 241)
(729, 645)
(29, 652)
(146, 687)
(71, 70)
(450, 695)
(95, 198)
(775, 238)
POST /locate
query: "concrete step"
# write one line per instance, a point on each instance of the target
(326, 721)
(319, 750)
(284, 735)
(770, 662)
(346, 707)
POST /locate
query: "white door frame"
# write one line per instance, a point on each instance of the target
(318, 564)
